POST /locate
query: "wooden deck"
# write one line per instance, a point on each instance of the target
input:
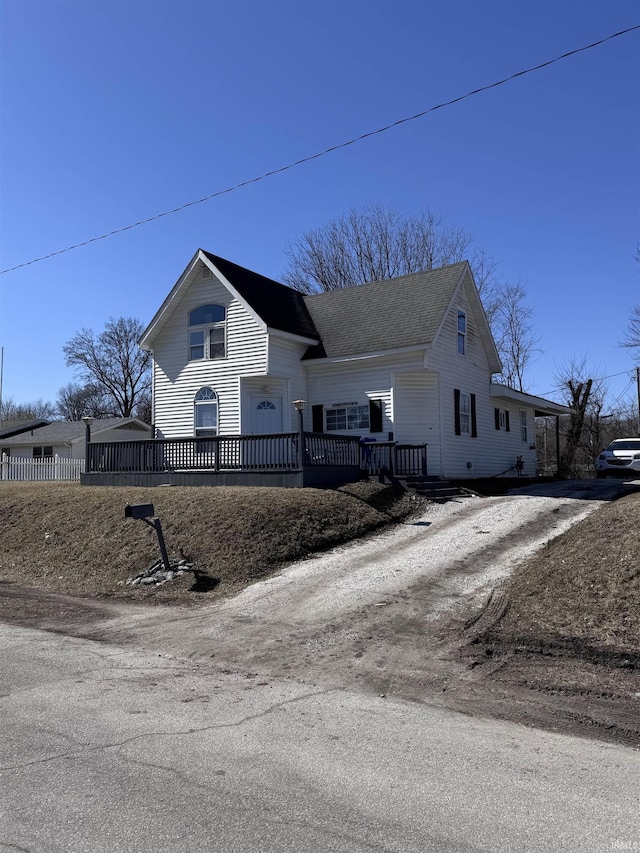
(284, 459)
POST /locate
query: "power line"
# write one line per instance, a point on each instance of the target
(598, 379)
(326, 151)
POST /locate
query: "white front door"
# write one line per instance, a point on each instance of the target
(266, 415)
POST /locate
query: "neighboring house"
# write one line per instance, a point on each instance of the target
(10, 428)
(66, 439)
(409, 359)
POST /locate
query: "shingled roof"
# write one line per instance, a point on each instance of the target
(278, 305)
(401, 312)
(63, 432)
(14, 427)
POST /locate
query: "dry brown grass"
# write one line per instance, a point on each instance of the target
(72, 538)
(585, 585)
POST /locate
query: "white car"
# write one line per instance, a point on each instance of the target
(620, 459)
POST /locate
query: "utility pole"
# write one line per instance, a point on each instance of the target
(1, 372)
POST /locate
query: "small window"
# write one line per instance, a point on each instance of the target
(207, 332)
(523, 425)
(206, 413)
(462, 332)
(347, 418)
(465, 414)
(266, 404)
(45, 452)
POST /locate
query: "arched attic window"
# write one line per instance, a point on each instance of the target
(207, 332)
(205, 413)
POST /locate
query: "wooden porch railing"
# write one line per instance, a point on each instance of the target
(399, 460)
(255, 453)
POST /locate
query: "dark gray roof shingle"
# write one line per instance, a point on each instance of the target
(401, 312)
(62, 432)
(9, 428)
(278, 305)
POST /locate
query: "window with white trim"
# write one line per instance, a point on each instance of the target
(206, 413)
(523, 425)
(348, 417)
(207, 332)
(462, 332)
(465, 413)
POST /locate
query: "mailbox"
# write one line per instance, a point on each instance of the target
(139, 511)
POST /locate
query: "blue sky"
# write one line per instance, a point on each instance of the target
(112, 112)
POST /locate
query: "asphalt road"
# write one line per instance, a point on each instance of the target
(121, 748)
(109, 750)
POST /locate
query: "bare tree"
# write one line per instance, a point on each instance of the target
(513, 333)
(632, 339)
(113, 362)
(379, 243)
(76, 400)
(12, 411)
(586, 398)
(372, 245)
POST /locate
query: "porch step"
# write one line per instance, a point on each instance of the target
(432, 488)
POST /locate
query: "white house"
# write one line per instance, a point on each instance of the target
(409, 360)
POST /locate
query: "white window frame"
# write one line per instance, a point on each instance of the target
(204, 401)
(346, 418)
(210, 334)
(502, 417)
(523, 425)
(465, 413)
(462, 332)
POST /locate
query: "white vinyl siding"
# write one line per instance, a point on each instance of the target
(416, 409)
(286, 367)
(493, 451)
(177, 380)
(355, 382)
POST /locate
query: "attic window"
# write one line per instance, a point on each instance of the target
(206, 272)
(207, 332)
(462, 332)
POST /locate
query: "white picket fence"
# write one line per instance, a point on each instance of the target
(50, 468)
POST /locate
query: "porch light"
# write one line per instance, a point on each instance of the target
(87, 420)
(299, 407)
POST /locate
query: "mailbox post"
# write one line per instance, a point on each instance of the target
(143, 512)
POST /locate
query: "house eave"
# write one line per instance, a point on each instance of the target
(301, 339)
(146, 339)
(337, 359)
(542, 407)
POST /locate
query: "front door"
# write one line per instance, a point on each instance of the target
(266, 415)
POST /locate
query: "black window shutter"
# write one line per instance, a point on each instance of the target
(317, 418)
(506, 420)
(496, 413)
(375, 415)
(456, 409)
(474, 421)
